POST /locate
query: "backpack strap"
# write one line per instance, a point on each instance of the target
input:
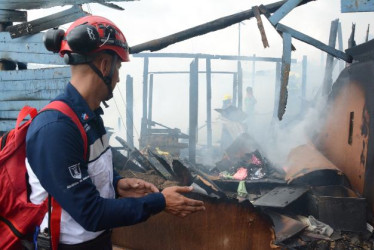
(56, 212)
(66, 110)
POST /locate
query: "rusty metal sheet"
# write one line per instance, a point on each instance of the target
(226, 224)
(281, 197)
(285, 227)
(306, 159)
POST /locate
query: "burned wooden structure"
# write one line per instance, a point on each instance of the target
(148, 86)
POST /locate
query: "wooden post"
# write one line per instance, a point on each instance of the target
(144, 127)
(150, 100)
(277, 88)
(209, 103)
(240, 85)
(194, 97)
(285, 72)
(327, 81)
(129, 110)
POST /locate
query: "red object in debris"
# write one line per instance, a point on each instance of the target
(255, 160)
(241, 174)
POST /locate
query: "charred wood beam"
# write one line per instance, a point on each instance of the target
(260, 26)
(309, 40)
(38, 4)
(208, 56)
(285, 71)
(12, 16)
(327, 81)
(46, 22)
(202, 29)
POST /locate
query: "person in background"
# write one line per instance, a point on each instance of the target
(249, 108)
(86, 189)
(227, 101)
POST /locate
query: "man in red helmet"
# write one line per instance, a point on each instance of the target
(86, 189)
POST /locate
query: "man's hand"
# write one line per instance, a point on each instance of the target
(179, 205)
(131, 187)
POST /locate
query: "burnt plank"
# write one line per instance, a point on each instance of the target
(12, 16)
(46, 22)
(38, 4)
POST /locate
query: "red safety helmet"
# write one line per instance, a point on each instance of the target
(92, 34)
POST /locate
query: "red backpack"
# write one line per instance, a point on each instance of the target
(18, 216)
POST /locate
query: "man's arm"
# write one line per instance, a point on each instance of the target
(54, 150)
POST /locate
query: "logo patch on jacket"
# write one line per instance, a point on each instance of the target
(75, 171)
(84, 116)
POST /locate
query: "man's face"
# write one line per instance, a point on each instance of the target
(116, 78)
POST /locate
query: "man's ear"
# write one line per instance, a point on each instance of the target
(105, 65)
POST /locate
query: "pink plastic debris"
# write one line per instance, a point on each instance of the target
(241, 174)
(255, 160)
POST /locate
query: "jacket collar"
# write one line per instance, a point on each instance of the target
(78, 104)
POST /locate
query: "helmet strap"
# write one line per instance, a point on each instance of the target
(106, 79)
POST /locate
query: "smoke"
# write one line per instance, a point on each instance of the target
(282, 136)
